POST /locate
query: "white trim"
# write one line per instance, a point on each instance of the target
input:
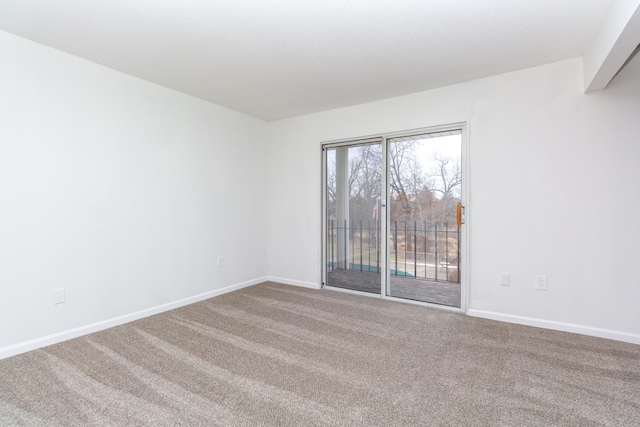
(385, 222)
(613, 45)
(57, 337)
(465, 231)
(323, 215)
(353, 292)
(293, 282)
(353, 142)
(394, 299)
(557, 326)
(424, 304)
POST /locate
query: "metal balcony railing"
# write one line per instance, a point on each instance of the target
(417, 249)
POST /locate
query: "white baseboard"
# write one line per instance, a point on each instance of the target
(558, 326)
(294, 282)
(36, 343)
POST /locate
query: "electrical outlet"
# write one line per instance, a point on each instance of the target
(541, 283)
(504, 279)
(220, 262)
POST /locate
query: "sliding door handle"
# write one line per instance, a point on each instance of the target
(460, 214)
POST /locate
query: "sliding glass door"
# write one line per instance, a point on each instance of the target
(392, 216)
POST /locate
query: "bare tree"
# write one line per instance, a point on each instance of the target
(365, 172)
(405, 177)
(445, 179)
(363, 181)
(416, 195)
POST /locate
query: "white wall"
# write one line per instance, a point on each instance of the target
(118, 190)
(552, 186)
(124, 193)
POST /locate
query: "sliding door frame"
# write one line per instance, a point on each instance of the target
(383, 139)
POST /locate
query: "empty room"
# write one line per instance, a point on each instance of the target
(315, 212)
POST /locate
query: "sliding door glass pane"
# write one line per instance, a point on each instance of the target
(353, 240)
(424, 237)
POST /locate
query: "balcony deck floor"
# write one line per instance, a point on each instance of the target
(425, 290)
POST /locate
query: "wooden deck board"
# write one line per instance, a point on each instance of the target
(443, 293)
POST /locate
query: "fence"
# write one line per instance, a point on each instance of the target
(417, 249)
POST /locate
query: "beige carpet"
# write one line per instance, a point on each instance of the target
(278, 355)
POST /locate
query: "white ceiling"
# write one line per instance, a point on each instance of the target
(274, 59)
